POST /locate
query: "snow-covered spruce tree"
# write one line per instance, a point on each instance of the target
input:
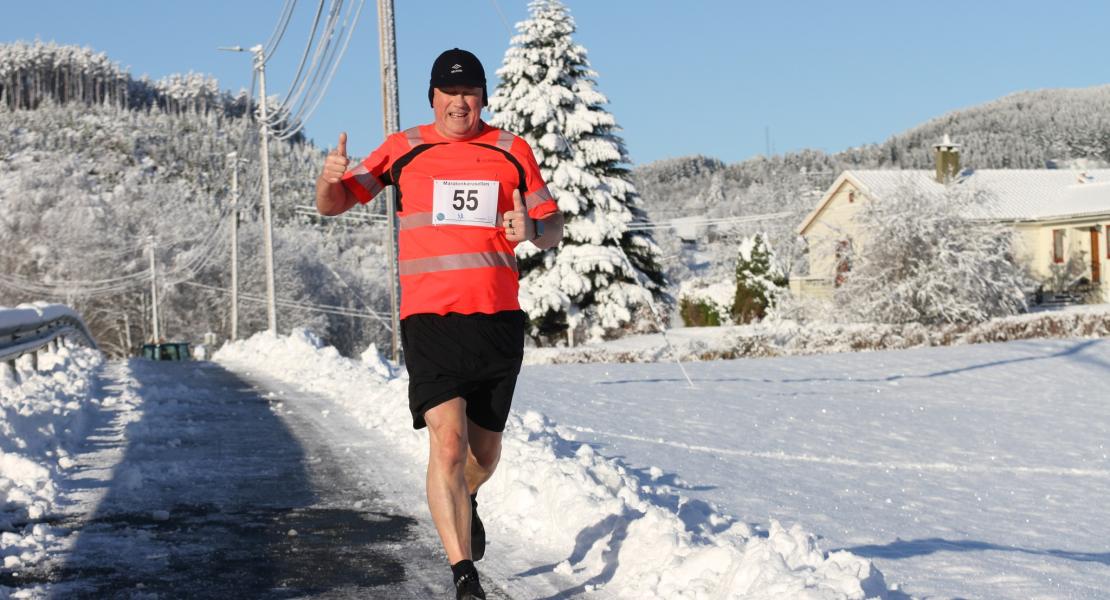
(759, 280)
(925, 260)
(603, 275)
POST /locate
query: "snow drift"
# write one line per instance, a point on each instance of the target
(43, 417)
(568, 517)
(785, 337)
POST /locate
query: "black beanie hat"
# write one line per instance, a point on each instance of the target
(458, 67)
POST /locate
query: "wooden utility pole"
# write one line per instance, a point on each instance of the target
(153, 291)
(267, 226)
(234, 158)
(391, 123)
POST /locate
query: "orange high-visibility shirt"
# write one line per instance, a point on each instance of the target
(453, 255)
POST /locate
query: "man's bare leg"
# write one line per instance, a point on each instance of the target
(448, 496)
(482, 456)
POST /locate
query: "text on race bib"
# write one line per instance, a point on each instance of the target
(464, 202)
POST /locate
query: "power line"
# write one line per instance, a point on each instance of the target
(324, 308)
(289, 121)
(308, 46)
(283, 23)
(689, 221)
(369, 218)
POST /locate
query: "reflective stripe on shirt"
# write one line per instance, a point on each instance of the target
(424, 219)
(537, 197)
(505, 140)
(366, 180)
(454, 262)
(413, 136)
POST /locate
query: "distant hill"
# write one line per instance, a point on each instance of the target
(1029, 130)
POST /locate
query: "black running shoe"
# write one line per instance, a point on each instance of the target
(477, 532)
(468, 587)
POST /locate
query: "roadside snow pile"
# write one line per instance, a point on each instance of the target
(593, 524)
(788, 338)
(43, 417)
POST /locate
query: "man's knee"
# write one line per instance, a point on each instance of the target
(449, 446)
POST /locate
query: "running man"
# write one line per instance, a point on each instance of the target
(468, 193)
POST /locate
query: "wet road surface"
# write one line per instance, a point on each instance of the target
(198, 484)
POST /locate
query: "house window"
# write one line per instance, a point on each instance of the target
(851, 196)
(1058, 245)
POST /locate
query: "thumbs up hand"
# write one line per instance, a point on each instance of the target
(335, 165)
(518, 225)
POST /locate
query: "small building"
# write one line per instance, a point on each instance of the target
(1058, 214)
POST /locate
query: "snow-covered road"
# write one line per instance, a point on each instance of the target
(963, 472)
(198, 483)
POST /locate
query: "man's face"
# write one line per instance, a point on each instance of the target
(458, 111)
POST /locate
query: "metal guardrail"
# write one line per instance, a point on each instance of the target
(29, 328)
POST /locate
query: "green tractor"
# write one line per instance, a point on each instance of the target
(167, 351)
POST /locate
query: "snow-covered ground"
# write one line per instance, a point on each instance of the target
(972, 471)
(44, 417)
(566, 520)
(968, 471)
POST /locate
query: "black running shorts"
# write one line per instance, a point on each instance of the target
(476, 357)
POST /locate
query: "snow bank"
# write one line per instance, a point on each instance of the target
(787, 338)
(43, 417)
(27, 314)
(554, 498)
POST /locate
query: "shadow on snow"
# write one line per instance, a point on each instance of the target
(214, 498)
(911, 548)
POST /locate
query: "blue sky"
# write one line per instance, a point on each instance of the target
(693, 77)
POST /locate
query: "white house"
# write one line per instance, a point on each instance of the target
(1058, 214)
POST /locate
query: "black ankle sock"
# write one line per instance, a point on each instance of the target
(463, 567)
(474, 500)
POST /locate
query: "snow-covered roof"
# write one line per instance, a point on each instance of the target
(1018, 194)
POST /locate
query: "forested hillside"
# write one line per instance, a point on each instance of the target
(95, 163)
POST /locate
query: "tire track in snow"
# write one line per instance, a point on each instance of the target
(940, 467)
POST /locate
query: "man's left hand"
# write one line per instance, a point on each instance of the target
(518, 225)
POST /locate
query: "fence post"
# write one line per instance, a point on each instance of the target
(35, 361)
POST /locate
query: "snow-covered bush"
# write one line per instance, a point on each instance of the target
(1065, 275)
(706, 303)
(791, 338)
(925, 260)
(604, 269)
(759, 280)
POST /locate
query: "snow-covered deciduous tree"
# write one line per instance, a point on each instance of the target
(926, 260)
(759, 280)
(605, 272)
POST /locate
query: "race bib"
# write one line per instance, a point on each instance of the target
(462, 202)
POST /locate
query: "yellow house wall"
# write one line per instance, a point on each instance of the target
(834, 223)
(1077, 239)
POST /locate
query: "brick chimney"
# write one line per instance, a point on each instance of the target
(947, 157)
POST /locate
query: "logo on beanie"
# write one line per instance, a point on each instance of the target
(456, 68)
